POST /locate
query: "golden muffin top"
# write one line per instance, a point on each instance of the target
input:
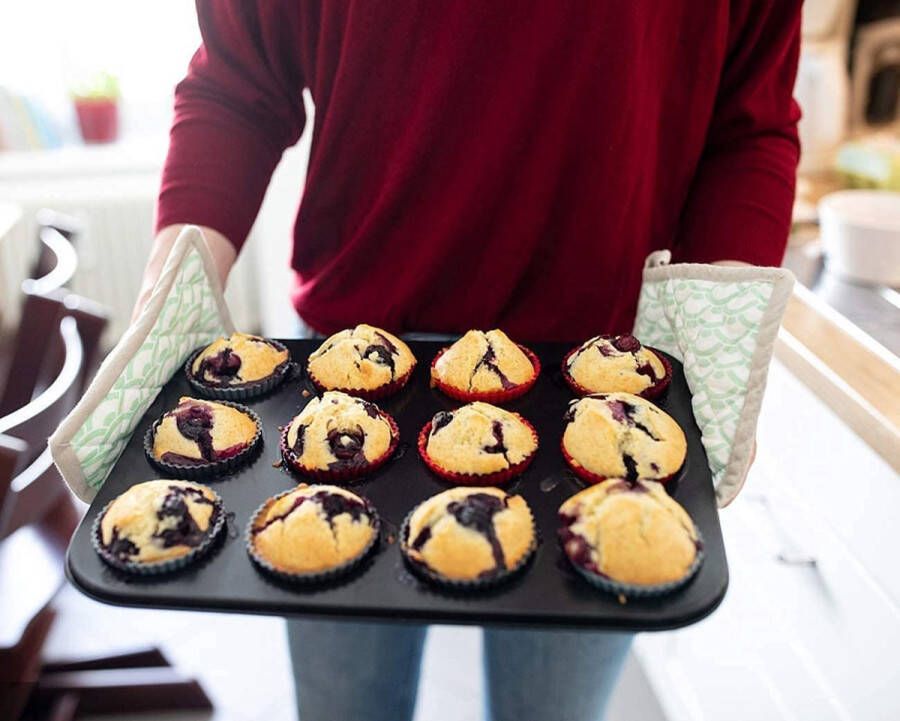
(483, 362)
(158, 520)
(236, 360)
(606, 364)
(630, 532)
(621, 435)
(198, 431)
(470, 533)
(360, 358)
(338, 431)
(479, 438)
(313, 529)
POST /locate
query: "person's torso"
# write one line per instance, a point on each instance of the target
(498, 164)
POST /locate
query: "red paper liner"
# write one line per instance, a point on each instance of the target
(368, 394)
(496, 397)
(346, 474)
(497, 478)
(592, 478)
(650, 392)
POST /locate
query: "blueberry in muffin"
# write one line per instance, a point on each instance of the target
(485, 366)
(239, 366)
(469, 536)
(200, 436)
(364, 361)
(606, 364)
(629, 537)
(339, 437)
(312, 532)
(621, 435)
(478, 444)
(154, 524)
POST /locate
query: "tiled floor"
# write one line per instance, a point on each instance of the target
(224, 651)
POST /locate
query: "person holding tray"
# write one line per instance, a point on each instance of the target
(484, 165)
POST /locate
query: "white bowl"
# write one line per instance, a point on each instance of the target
(861, 235)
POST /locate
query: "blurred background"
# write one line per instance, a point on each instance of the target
(813, 615)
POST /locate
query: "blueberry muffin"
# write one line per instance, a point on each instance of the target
(620, 435)
(485, 367)
(365, 361)
(239, 366)
(478, 444)
(606, 364)
(339, 437)
(469, 536)
(629, 537)
(312, 532)
(158, 525)
(200, 437)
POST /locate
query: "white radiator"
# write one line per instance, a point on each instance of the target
(117, 212)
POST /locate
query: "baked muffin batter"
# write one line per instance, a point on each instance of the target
(621, 435)
(483, 362)
(606, 364)
(338, 431)
(158, 521)
(198, 432)
(236, 360)
(479, 438)
(313, 529)
(360, 358)
(465, 534)
(629, 532)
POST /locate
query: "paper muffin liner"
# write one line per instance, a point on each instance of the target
(342, 475)
(317, 576)
(495, 397)
(368, 394)
(650, 392)
(474, 585)
(496, 478)
(638, 591)
(241, 391)
(592, 478)
(170, 564)
(210, 470)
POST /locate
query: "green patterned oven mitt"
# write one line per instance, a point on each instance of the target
(721, 322)
(186, 310)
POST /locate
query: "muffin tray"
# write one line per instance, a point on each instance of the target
(549, 593)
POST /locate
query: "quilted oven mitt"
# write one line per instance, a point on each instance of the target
(721, 322)
(186, 310)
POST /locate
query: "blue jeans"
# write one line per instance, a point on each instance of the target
(370, 672)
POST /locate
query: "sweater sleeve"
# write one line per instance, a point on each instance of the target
(236, 111)
(739, 204)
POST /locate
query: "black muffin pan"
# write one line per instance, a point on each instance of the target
(548, 593)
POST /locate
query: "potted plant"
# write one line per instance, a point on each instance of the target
(97, 107)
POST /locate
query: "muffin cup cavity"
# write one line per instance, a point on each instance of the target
(650, 392)
(239, 391)
(496, 478)
(315, 577)
(426, 573)
(340, 475)
(217, 525)
(368, 394)
(206, 470)
(495, 397)
(592, 478)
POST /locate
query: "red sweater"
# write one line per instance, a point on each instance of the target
(479, 164)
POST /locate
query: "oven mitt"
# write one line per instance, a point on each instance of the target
(186, 310)
(721, 323)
